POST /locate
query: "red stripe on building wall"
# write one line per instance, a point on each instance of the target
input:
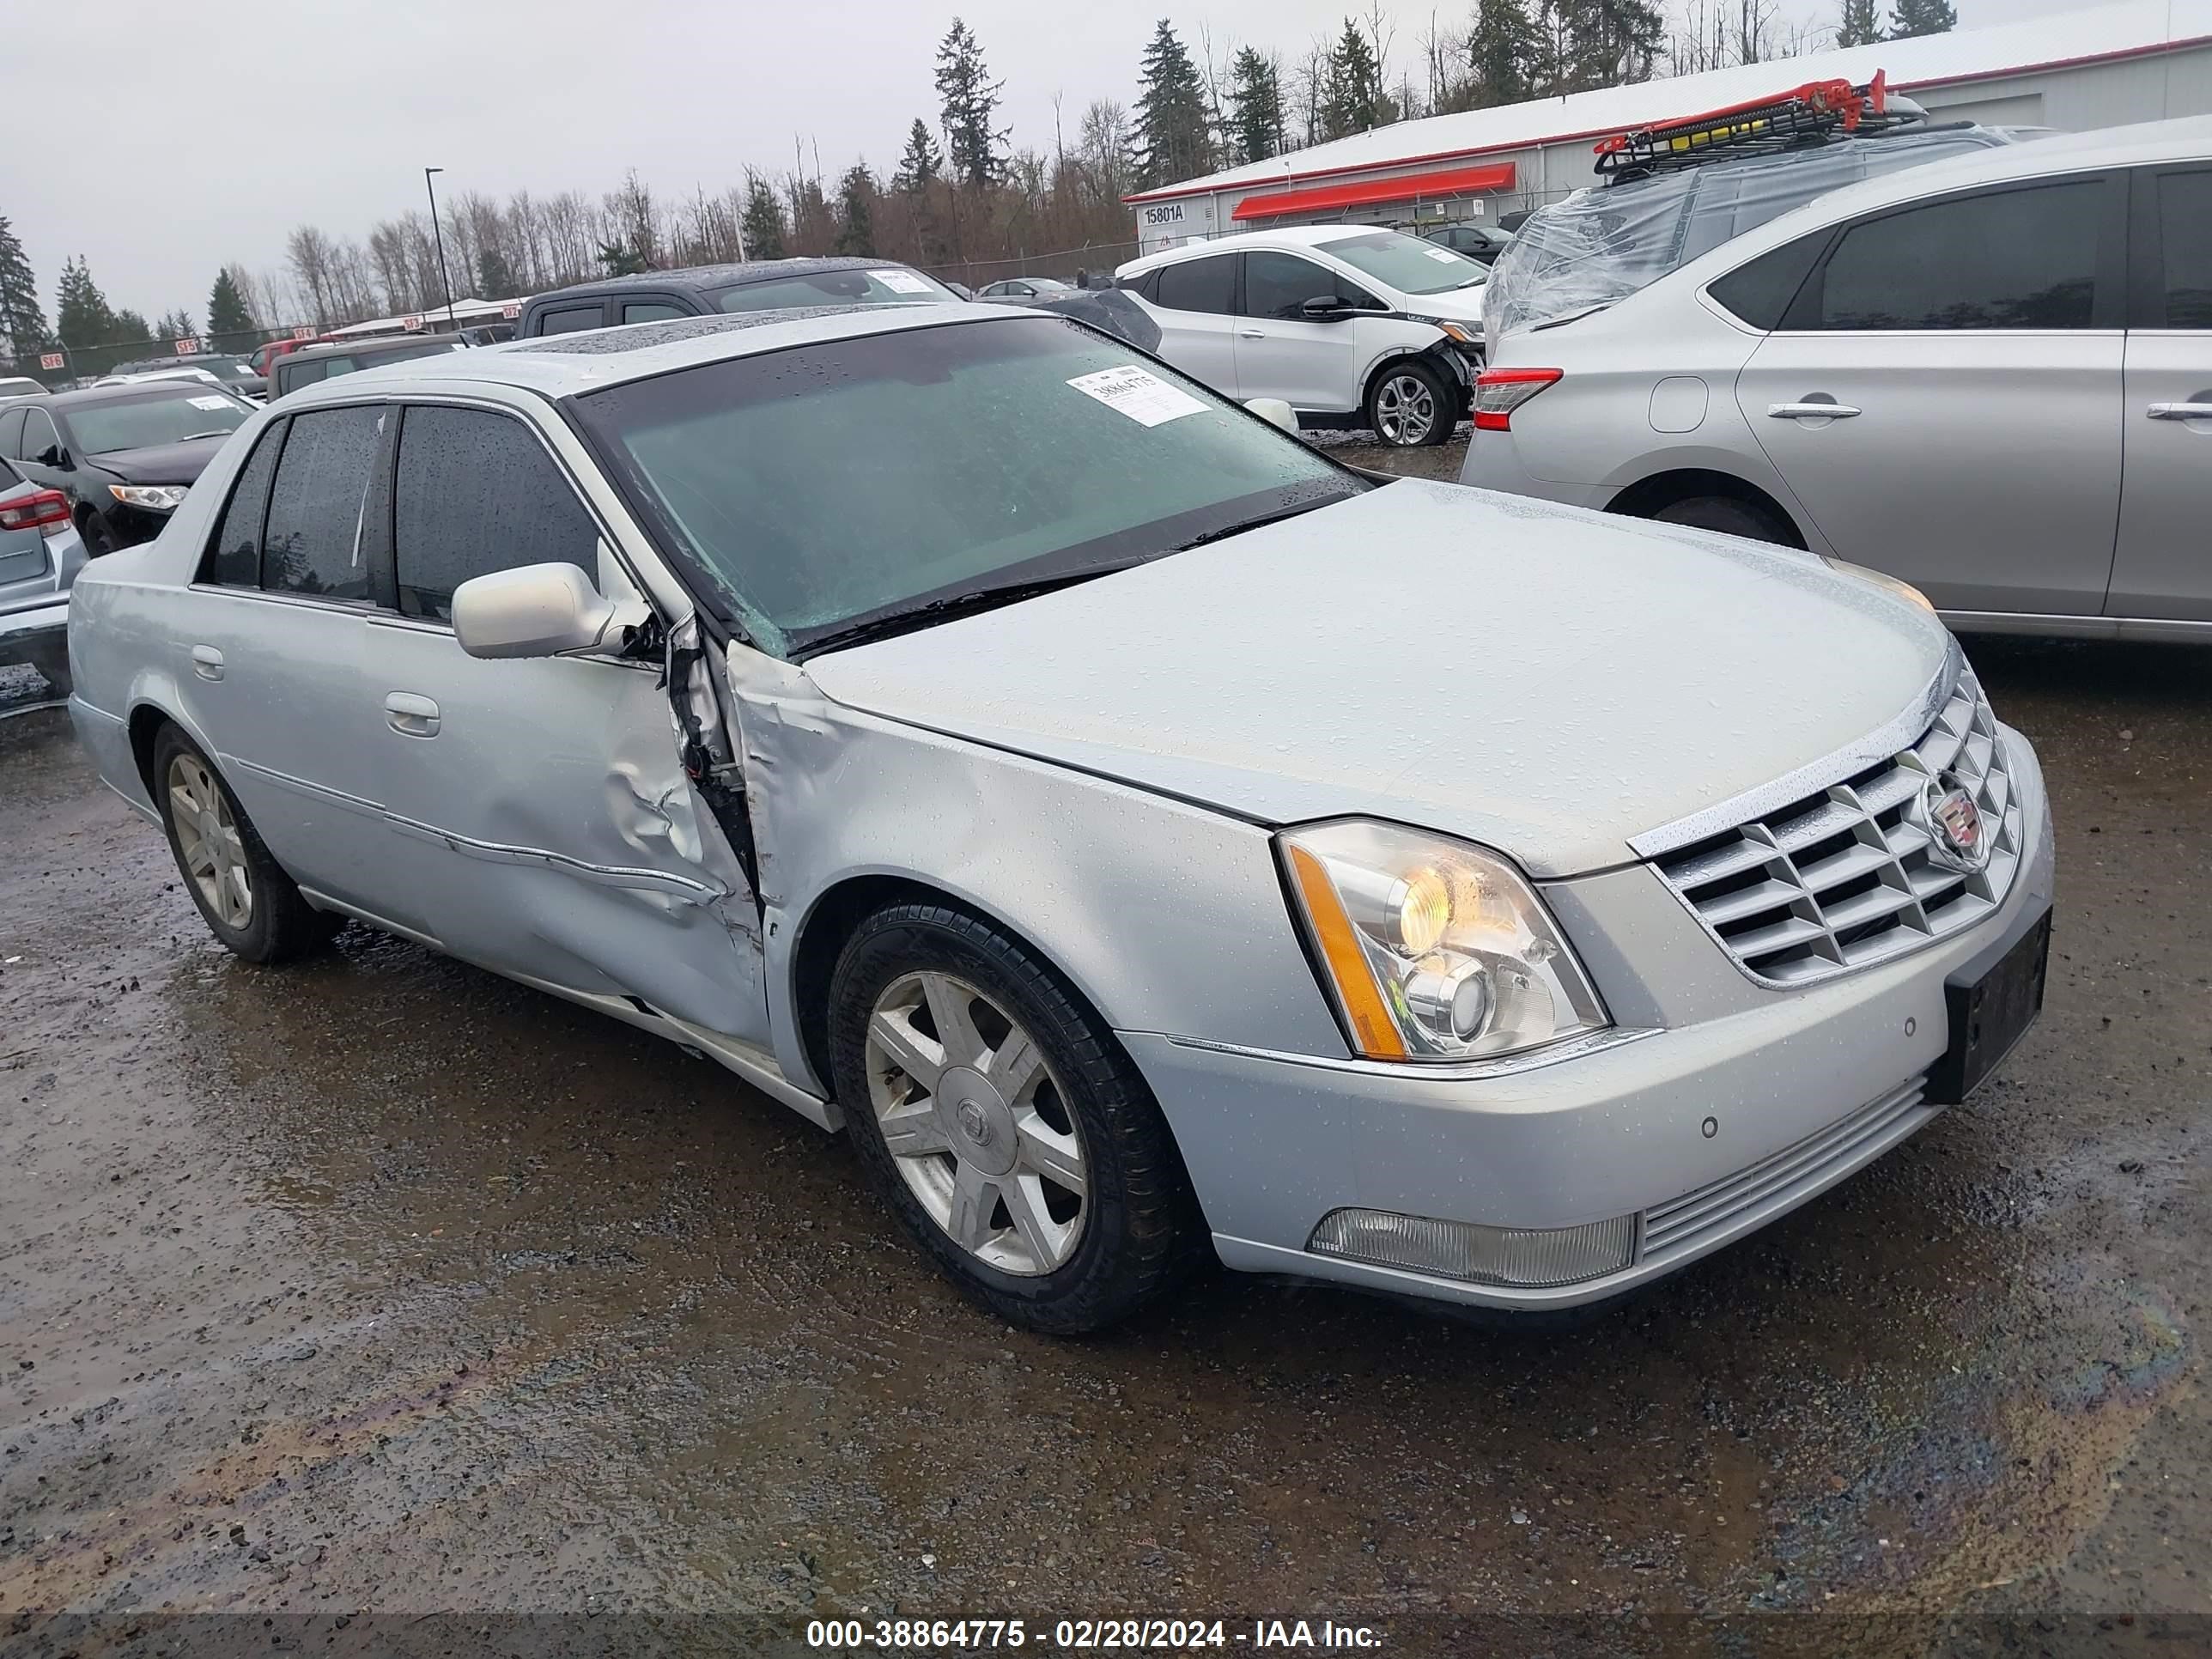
(1456, 181)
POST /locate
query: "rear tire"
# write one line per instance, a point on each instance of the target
(1412, 406)
(1048, 1187)
(1728, 515)
(243, 894)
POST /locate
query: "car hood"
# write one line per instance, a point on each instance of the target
(1544, 681)
(160, 463)
(1459, 304)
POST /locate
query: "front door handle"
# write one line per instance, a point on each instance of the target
(412, 716)
(1810, 411)
(1251, 333)
(207, 662)
(2181, 411)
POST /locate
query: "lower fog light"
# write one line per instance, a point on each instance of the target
(1532, 1257)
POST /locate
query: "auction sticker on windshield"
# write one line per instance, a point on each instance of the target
(900, 282)
(1145, 399)
(211, 403)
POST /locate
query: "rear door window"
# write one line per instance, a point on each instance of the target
(1205, 285)
(2185, 226)
(234, 556)
(475, 492)
(651, 310)
(572, 319)
(313, 543)
(2006, 259)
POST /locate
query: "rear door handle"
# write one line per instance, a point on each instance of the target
(207, 662)
(1810, 411)
(1251, 333)
(2181, 411)
(412, 716)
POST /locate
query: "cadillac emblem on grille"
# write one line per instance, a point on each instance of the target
(1954, 823)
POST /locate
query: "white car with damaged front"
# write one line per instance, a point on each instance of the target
(987, 741)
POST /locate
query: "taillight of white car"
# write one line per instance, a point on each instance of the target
(1499, 391)
(36, 512)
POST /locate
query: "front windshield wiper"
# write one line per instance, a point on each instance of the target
(1244, 524)
(215, 432)
(957, 605)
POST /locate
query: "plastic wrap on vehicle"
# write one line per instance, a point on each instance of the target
(1603, 244)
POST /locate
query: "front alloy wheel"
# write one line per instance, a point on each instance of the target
(209, 846)
(1411, 406)
(1003, 1124)
(976, 1122)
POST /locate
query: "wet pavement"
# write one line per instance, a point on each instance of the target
(378, 1282)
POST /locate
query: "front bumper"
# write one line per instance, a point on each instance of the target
(1718, 1106)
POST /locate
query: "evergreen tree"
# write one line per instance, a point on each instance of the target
(1861, 25)
(1174, 133)
(81, 318)
(1503, 51)
(1255, 100)
(175, 325)
(856, 205)
(230, 320)
(621, 259)
(1915, 17)
(22, 322)
(918, 168)
(762, 227)
(1353, 102)
(494, 281)
(970, 98)
(1616, 41)
(129, 328)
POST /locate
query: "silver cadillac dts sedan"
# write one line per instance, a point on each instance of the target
(1140, 831)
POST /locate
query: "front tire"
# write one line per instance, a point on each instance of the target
(1412, 406)
(1002, 1124)
(99, 540)
(244, 896)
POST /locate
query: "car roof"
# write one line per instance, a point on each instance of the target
(374, 343)
(1282, 236)
(706, 277)
(65, 401)
(564, 365)
(2183, 139)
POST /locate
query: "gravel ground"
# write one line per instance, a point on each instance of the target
(378, 1288)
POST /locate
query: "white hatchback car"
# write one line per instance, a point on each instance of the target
(1349, 325)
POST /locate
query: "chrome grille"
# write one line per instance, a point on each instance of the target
(1811, 1163)
(1843, 877)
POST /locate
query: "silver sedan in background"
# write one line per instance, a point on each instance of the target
(1989, 375)
(986, 741)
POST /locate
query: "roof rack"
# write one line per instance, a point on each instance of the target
(1816, 113)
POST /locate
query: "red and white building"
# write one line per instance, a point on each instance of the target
(2107, 66)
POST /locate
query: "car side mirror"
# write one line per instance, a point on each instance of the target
(1325, 308)
(52, 455)
(1275, 412)
(534, 611)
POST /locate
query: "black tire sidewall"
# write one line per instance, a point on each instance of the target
(265, 938)
(1126, 1249)
(1724, 514)
(1447, 422)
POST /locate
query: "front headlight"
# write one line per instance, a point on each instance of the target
(160, 498)
(1887, 583)
(1458, 333)
(1433, 949)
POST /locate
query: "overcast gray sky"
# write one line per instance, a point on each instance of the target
(187, 145)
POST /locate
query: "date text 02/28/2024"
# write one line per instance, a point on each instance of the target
(1076, 1635)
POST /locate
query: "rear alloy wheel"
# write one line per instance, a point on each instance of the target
(1003, 1124)
(244, 896)
(1409, 406)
